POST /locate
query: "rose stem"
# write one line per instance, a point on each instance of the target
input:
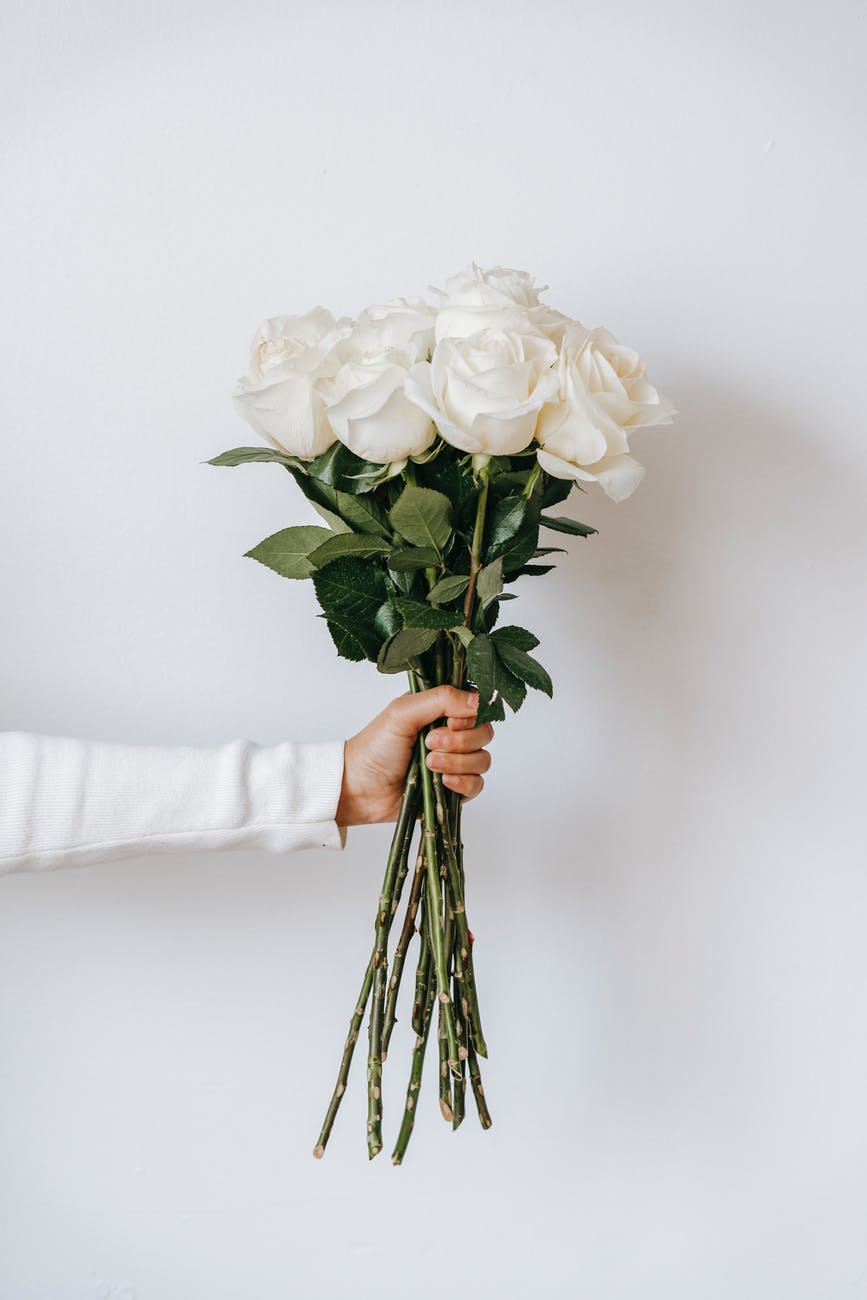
(445, 1084)
(434, 893)
(444, 1072)
(478, 1091)
(408, 1120)
(346, 1061)
(400, 951)
(459, 1090)
(422, 976)
(463, 946)
(476, 551)
(358, 1014)
(393, 872)
(459, 1085)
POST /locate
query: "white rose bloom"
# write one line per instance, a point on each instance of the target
(278, 398)
(397, 324)
(474, 300)
(485, 392)
(365, 400)
(603, 394)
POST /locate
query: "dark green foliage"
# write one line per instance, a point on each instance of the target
(403, 649)
(288, 552)
(341, 469)
(351, 592)
(562, 524)
(417, 613)
(505, 519)
(413, 557)
(422, 517)
(448, 589)
(392, 570)
(516, 636)
(555, 490)
(338, 544)
(246, 455)
(524, 666)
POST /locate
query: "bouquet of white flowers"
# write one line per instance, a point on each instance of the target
(433, 442)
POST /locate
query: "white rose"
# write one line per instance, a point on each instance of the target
(365, 400)
(400, 323)
(485, 392)
(278, 398)
(603, 394)
(473, 300)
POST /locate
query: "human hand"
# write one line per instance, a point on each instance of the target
(376, 760)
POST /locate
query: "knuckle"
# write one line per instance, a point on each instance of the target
(395, 707)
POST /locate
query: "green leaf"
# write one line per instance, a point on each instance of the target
(448, 589)
(510, 481)
(244, 455)
(386, 620)
(512, 689)
(288, 552)
(562, 524)
(446, 475)
(507, 516)
(362, 512)
(400, 650)
(422, 516)
(548, 550)
(335, 523)
(413, 557)
(519, 637)
(351, 591)
(518, 549)
(555, 490)
(525, 667)
(534, 570)
(348, 544)
(482, 666)
(463, 634)
(349, 644)
(493, 711)
(340, 468)
(489, 583)
(416, 613)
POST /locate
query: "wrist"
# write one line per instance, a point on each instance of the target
(364, 796)
(352, 806)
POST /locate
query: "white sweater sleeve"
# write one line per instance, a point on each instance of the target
(75, 802)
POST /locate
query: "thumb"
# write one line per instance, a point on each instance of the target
(412, 712)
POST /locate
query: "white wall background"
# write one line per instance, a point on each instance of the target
(667, 870)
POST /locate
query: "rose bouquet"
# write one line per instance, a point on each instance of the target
(433, 442)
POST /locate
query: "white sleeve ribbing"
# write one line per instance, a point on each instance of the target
(66, 802)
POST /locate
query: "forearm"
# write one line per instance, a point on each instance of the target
(66, 802)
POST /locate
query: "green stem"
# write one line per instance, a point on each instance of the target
(476, 552)
(434, 893)
(400, 951)
(346, 1061)
(463, 947)
(422, 976)
(445, 1083)
(478, 1091)
(408, 1121)
(444, 1071)
(394, 871)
